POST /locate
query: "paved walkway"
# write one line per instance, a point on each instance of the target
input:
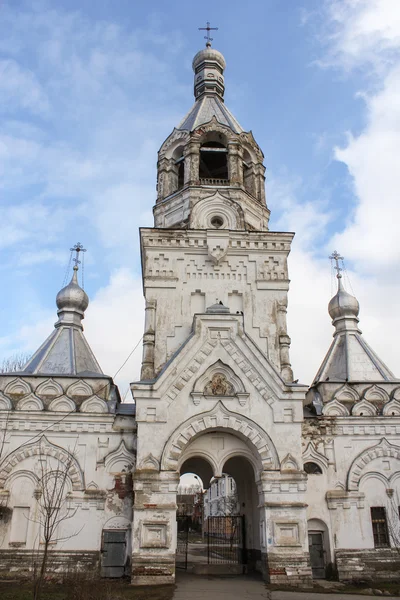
(195, 587)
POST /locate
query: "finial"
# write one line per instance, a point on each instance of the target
(336, 257)
(77, 248)
(207, 37)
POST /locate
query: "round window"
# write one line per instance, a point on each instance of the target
(217, 222)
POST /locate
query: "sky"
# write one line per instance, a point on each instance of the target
(90, 90)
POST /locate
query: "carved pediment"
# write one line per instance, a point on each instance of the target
(30, 402)
(18, 387)
(48, 388)
(120, 460)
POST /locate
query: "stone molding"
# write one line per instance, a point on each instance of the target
(342, 499)
(383, 449)
(216, 419)
(120, 460)
(42, 447)
(312, 455)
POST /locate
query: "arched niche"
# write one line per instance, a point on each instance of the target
(42, 447)
(378, 458)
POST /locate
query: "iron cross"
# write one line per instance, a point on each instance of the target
(336, 257)
(77, 248)
(208, 29)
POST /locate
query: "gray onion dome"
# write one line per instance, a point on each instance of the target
(72, 297)
(209, 54)
(343, 304)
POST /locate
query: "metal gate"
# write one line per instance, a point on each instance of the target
(114, 555)
(226, 540)
(182, 541)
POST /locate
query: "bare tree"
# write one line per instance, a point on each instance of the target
(14, 363)
(52, 510)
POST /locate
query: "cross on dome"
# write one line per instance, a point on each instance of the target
(208, 29)
(77, 248)
(336, 257)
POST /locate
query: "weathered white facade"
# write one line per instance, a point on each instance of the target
(216, 394)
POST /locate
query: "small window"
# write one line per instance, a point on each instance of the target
(379, 527)
(312, 468)
(217, 222)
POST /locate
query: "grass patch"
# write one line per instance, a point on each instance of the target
(83, 589)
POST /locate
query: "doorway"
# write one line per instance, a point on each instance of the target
(114, 563)
(317, 554)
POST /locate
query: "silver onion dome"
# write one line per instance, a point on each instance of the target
(209, 54)
(343, 304)
(72, 297)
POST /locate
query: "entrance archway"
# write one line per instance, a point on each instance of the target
(231, 535)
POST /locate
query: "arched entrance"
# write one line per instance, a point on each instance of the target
(229, 540)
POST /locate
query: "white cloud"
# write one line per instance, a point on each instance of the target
(13, 79)
(114, 325)
(362, 34)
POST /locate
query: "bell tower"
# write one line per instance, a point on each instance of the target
(210, 242)
(216, 394)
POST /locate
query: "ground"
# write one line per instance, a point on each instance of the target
(189, 587)
(80, 589)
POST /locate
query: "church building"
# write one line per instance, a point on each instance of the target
(316, 468)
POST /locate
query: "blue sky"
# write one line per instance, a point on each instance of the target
(89, 91)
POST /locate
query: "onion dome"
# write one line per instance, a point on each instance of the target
(72, 297)
(208, 66)
(66, 351)
(343, 304)
(210, 55)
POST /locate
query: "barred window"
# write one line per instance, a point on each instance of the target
(379, 527)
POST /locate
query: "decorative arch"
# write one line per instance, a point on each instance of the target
(220, 418)
(18, 387)
(63, 404)
(346, 394)
(120, 460)
(376, 394)
(335, 409)
(391, 409)
(289, 463)
(5, 403)
(383, 449)
(364, 409)
(79, 389)
(49, 387)
(45, 448)
(312, 455)
(396, 394)
(94, 405)
(117, 523)
(149, 463)
(30, 402)
(207, 208)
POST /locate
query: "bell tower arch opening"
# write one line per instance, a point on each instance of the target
(213, 161)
